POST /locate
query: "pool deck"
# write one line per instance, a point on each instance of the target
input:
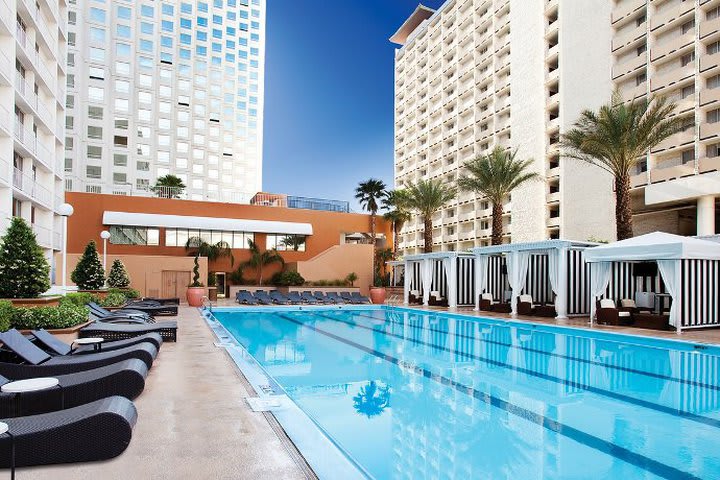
(193, 422)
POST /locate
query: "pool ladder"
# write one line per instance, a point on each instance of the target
(206, 303)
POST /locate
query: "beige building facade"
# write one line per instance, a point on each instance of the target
(479, 73)
(672, 48)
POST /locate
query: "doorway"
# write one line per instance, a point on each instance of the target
(220, 283)
(175, 283)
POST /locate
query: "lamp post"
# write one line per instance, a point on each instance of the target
(65, 210)
(105, 235)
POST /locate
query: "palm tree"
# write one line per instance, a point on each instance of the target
(398, 214)
(369, 193)
(382, 257)
(372, 399)
(293, 241)
(427, 197)
(616, 138)
(168, 186)
(258, 260)
(494, 176)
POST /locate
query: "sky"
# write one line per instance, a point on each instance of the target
(329, 76)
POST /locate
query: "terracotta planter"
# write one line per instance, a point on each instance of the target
(51, 301)
(195, 296)
(101, 294)
(378, 295)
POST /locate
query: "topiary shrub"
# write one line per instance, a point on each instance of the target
(287, 279)
(118, 276)
(24, 270)
(64, 316)
(79, 299)
(89, 273)
(113, 299)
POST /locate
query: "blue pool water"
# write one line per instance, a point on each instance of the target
(411, 395)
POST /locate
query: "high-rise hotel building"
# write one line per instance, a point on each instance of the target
(32, 104)
(165, 87)
(672, 48)
(479, 73)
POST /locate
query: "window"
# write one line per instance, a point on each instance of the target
(713, 150)
(714, 81)
(97, 34)
(283, 242)
(96, 94)
(688, 155)
(122, 105)
(713, 13)
(147, 11)
(124, 13)
(95, 112)
(97, 54)
(713, 48)
(124, 235)
(640, 79)
(120, 159)
(166, 42)
(121, 123)
(146, 46)
(687, 58)
(688, 91)
(146, 28)
(122, 86)
(168, 9)
(70, 101)
(94, 152)
(178, 237)
(641, 49)
(143, 166)
(97, 14)
(713, 116)
(122, 68)
(688, 26)
(167, 26)
(122, 49)
(93, 171)
(120, 141)
(97, 73)
(120, 178)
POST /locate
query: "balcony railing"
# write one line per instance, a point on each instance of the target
(30, 187)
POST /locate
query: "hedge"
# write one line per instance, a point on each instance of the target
(65, 316)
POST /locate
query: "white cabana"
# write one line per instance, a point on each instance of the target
(397, 272)
(448, 273)
(538, 268)
(689, 268)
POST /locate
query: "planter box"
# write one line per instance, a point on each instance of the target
(101, 294)
(62, 331)
(50, 301)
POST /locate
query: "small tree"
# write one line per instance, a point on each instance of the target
(118, 276)
(196, 274)
(168, 186)
(89, 273)
(24, 270)
(351, 278)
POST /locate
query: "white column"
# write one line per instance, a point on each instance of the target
(706, 215)
(452, 283)
(406, 284)
(513, 273)
(561, 295)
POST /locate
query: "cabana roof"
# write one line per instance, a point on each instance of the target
(655, 246)
(436, 255)
(530, 246)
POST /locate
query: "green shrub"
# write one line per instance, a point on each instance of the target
(64, 316)
(89, 273)
(287, 279)
(118, 276)
(113, 299)
(128, 293)
(6, 315)
(24, 270)
(79, 299)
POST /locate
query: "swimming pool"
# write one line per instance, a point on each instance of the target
(409, 394)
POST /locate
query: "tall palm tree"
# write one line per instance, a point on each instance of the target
(616, 137)
(258, 260)
(369, 193)
(427, 197)
(213, 251)
(398, 214)
(293, 241)
(168, 186)
(494, 176)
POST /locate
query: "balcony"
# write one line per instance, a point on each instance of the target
(674, 141)
(672, 46)
(708, 27)
(665, 17)
(708, 130)
(639, 180)
(6, 16)
(638, 91)
(708, 164)
(672, 77)
(43, 235)
(31, 188)
(709, 96)
(624, 39)
(629, 66)
(662, 173)
(626, 8)
(708, 61)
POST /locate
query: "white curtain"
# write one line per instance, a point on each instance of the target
(451, 280)
(553, 269)
(670, 273)
(426, 278)
(518, 264)
(599, 279)
(481, 271)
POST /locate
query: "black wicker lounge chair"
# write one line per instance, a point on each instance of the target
(114, 331)
(34, 358)
(126, 379)
(95, 431)
(119, 319)
(107, 314)
(162, 301)
(245, 297)
(55, 345)
(152, 307)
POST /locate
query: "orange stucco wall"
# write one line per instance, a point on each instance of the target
(86, 224)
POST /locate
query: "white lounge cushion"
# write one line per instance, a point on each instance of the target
(526, 298)
(486, 296)
(623, 314)
(607, 303)
(415, 292)
(627, 303)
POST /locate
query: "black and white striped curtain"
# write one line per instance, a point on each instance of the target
(465, 280)
(700, 281)
(497, 282)
(624, 284)
(413, 276)
(439, 279)
(537, 283)
(578, 284)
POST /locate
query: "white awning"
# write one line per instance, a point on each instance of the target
(206, 223)
(654, 246)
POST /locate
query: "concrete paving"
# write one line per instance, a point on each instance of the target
(193, 422)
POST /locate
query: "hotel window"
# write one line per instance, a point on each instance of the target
(146, 28)
(713, 82)
(687, 26)
(94, 132)
(97, 54)
(713, 116)
(95, 113)
(97, 34)
(97, 73)
(147, 11)
(143, 184)
(93, 171)
(687, 91)
(120, 160)
(285, 242)
(688, 155)
(713, 150)
(97, 14)
(94, 152)
(168, 9)
(121, 123)
(687, 58)
(713, 48)
(122, 68)
(640, 79)
(124, 12)
(713, 13)
(122, 105)
(120, 141)
(178, 237)
(120, 178)
(124, 235)
(143, 166)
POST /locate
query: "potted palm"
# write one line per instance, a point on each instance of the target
(212, 287)
(200, 248)
(378, 292)
(196, 290)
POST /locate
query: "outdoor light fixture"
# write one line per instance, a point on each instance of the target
(105, 235)
(65, 210)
